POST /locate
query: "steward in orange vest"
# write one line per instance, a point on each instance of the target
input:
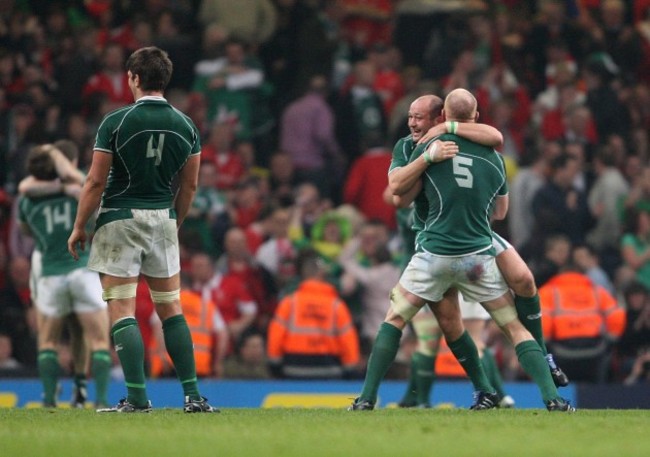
(205, 322)
(581, 320)
(312, 335)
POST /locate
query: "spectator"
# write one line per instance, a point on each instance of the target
(367, 264)
(581, 323)
(251, 20)
(529, 179)
(359, 111)
(220, 149)
(559, 207)
(605, 200)
(312, 335)
(17, 314)
(366, 23)
(208, 205)
(300, 48)
(307, 135)
(227, 292)
(637, 325)
(249, 359)
(556, 255)
(308, 208)
(586, 259)
(238, 261)
(282, 178)
(635, 245)
(367, 179)
(277, 254)
(609, 114)
(110, 82)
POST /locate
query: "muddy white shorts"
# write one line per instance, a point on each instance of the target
(137, 241)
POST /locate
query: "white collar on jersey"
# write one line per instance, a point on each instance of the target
(151, 97)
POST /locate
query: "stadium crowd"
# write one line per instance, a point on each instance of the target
(299, 102)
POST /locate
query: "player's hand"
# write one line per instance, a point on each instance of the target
(77, 236)
(441, 150)
(433, 132)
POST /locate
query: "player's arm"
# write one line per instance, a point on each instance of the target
(403, 201)
(500, 207)
(478, 133)
(35, 188)
(65, 169)
(90, 198)
(402, 179)
(189, 179)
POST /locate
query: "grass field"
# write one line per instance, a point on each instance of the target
(324, 432)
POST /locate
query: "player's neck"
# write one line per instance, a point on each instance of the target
(152, 93)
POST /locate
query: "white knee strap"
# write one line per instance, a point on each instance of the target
(400, 304)
(503, 316)
(162, 298)
(119, 292)
(428, 334)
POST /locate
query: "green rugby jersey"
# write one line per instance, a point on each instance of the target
(50, 220)
(405, 152)
(150, 141)
(460, 194)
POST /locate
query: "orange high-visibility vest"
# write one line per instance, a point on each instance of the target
(199, 315)
(313, 321)
(574, 307)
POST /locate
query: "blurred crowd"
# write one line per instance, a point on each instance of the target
(299, 103)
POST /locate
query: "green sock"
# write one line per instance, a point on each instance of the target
(410, 398)
(130, 350)
(530, 314)
(464, 349)
(533, 362)
(425, 375)
(180, 348)
(100, 367)
(49, 371)
(492, 372)
(80, 381)
(383, 353)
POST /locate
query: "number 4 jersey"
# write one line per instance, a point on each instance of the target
(460, 194)
(50, 221)
(150, 141)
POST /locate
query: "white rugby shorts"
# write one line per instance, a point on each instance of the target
(476, 276)
(147, 243)
(79, 291)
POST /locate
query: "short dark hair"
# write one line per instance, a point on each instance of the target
(153, 66)
(309, 263)
(40, 164)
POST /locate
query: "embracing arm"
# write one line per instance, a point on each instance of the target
(478, 133)
(403, 201)
(401, 180)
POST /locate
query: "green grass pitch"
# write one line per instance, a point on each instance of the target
(325, 432)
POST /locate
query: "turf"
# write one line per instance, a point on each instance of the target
(324, 432)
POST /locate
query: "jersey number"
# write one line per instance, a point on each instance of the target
(156, 151)
(462, 173)
(59, 215)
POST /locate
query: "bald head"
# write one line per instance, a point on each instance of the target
(460, 105)
(423, 114)
(429, 104)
